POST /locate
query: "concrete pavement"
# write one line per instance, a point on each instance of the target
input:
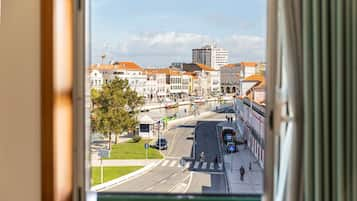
(172, 177)
(253, 179)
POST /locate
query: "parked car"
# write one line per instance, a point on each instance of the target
(161, 144)
(228, 134)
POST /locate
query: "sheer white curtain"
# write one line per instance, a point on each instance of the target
(286, 99)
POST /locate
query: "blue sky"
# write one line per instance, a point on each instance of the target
(158, 32)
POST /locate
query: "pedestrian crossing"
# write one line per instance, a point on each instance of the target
(192, 165)
(172, 163)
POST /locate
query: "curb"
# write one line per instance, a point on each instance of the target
(228, 184)
(125, 178)
(170, 123)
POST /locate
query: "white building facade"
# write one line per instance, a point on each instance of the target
(250, 119)
(122, 70)
(211, 56)
(215, 81)
(95, 79)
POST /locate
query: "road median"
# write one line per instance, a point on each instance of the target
(125, 178)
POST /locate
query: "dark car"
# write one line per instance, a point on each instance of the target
(161, 144)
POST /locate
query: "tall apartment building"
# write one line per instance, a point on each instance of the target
(211, 56)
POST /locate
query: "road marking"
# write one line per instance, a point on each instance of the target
(149, 189)
(220, 166)
(165, 163)
(211, 166)
(187, 165)
(189, 183)
(172, 142)
(197, 163)
(204, 166)
(172, 163)
(163, 181)
(172, 157)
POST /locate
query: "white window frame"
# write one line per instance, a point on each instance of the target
(81, 97)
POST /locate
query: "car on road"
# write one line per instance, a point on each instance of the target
(228, 134)
(161, 144)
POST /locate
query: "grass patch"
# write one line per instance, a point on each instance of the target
(111, 173)
(133, 150)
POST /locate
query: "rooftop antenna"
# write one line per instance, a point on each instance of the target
(110, 54)
(106, 53)
(103, 56)
(213, 43)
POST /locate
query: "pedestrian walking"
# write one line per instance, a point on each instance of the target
(250, 166)
(202, 156)
(227, 118)
(242, 172)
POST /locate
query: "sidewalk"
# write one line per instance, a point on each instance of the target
(129, 162)
(253, 179)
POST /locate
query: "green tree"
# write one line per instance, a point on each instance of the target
(114, 109)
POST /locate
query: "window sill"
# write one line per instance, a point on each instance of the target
(175, 197)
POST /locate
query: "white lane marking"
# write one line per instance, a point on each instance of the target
(211, 166)
(220, 166)
(172, 163)
(187, 165)
(165, 163)
(163, 181)
(182, 186)
(204, 165)
(172, 157)
(179, 165)
(173, 188)
(149, 189)
(197, 163)
(177, 188)
(189, 183)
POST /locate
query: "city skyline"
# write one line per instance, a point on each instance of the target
(161, 32)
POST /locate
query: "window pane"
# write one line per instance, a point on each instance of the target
(177, 97)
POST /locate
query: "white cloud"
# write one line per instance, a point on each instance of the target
(161, 44)
(245, 47)
(160, 49)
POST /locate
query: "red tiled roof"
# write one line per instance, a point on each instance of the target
(248, 63)
(166, 71)
(255, 77)
(204, 67)
(230, 65)
(118, 66)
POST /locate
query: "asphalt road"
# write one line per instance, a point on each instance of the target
(171, 176)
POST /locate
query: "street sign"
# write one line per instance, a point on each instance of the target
(231, 148)
(104, 153)
(146, 146)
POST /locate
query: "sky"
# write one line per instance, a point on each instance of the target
(155, 33)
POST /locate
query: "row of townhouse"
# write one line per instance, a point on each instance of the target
(250, 118)
(158, 83)
(249, 106)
